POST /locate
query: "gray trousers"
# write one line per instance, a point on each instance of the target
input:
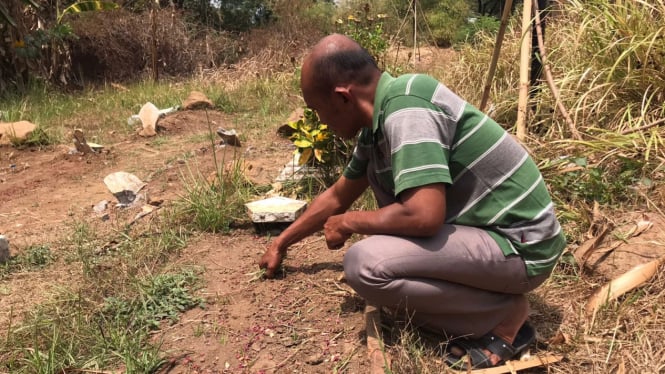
(458, 281)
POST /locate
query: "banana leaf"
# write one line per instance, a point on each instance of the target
(87, 6)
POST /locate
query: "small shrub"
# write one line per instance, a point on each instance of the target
(476, 25)
(38, 138)
(318, 147)
(366, 29)
(446, 19)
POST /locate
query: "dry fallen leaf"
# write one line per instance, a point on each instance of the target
(622, 284)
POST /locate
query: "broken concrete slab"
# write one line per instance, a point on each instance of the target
(149, 115)
(134, 119)
(100, 207)
(197, 100)
(80, 143)
(274, 214)
(124, 186)
(276, 209)
(229, 137)
(293, 171)
(20, 130)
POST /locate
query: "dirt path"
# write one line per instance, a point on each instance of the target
(309, 322)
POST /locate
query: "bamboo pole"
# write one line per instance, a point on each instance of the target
(495, 54)
(548, 75)
(525, 62)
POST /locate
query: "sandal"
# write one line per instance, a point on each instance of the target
(474, 349)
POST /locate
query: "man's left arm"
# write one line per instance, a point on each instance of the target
(419, 211)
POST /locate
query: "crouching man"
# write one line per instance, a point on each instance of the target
(465, 225)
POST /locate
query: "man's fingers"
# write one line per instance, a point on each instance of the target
(335, 245)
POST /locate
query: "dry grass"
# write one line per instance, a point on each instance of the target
(612, 104)
(607, 59)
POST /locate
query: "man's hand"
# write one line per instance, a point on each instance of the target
(335, 234)
(271, 260)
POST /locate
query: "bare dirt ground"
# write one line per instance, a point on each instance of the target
(308, 322)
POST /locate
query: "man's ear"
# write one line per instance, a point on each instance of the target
(344, 92)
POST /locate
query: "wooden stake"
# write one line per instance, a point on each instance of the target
(548, 75)
(514, 366)
(378, 358)
(415, 31)
(525, 62)
(495, 55)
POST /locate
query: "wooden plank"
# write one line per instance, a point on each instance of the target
(514, 366)
(378, 359)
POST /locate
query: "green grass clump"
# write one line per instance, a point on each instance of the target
(162, 297)
(73, 332)
(32, 258)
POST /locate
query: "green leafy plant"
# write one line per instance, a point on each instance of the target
(161, 297)
(312, 138)
(366, 29)
(609, 183)
(476, 25)
(448, 21)
(318, 147)
(33, 257)
(87, 6)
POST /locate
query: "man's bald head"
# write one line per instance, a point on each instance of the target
(337, 59)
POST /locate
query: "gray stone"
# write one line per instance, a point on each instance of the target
(293, 171)
(4, 249)
(100, 207)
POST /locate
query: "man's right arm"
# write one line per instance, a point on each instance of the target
(335, 200)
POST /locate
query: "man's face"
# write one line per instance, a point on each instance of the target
(335, 111)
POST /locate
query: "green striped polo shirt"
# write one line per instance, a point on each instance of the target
(423, 133)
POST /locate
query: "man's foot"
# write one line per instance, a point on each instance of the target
(489, 348)
(476, 351)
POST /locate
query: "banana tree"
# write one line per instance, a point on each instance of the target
(86, 6)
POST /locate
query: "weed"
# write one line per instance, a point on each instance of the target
(37, 256)
(256, 275)
(214, 203)
(158, 298)
(83, 240)
(38, 138)
(33, 257)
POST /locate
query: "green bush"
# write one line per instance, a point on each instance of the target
(448, 21)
